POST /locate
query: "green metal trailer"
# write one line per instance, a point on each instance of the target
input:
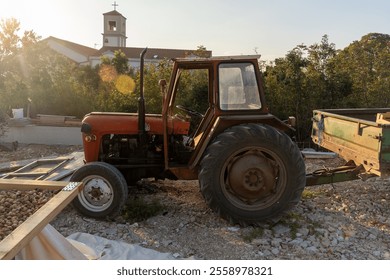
(359, 136)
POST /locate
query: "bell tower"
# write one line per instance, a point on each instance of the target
(114, 34)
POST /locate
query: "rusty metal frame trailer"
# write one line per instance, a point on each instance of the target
(45, 166)
(24, 233)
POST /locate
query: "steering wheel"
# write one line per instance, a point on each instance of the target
(189, 111)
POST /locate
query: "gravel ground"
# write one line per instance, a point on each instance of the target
(349, 220)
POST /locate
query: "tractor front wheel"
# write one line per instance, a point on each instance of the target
(104, 192)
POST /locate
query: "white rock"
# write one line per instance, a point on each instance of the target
(275, 251)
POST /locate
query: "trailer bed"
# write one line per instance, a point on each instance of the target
(358, 135)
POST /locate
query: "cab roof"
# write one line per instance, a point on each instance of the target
(218, 58)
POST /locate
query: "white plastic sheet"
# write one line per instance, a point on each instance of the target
(117, 250)
(49, 244)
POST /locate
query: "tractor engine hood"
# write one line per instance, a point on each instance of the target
(98, 124)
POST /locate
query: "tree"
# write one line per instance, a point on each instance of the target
(120, 62)
(201, 51)
(367, 64)
(308, 78)
(327, 86)
(14, 69)
(58, 86)
(153, 74)
(285, 88)
(9, 39)
(116, 91)
(30, 70)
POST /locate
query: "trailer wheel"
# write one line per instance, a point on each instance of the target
(104, 193)
(252, 173)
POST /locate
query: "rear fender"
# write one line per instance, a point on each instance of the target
(223, 122)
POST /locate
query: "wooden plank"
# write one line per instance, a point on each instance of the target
(23, 234)
(383, 118)
(25, 185)
(26, 174)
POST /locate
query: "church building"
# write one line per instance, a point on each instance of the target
(114, 38)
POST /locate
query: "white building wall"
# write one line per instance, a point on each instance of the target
(47, 135)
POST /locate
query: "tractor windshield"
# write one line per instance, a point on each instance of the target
(238, 89)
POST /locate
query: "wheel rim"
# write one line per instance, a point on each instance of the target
(253, 178)
(97, 194)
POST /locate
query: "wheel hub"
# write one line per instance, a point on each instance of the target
(97, 192)
(251, 175)
(253, 180)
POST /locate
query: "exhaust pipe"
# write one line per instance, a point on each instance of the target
(141, 101)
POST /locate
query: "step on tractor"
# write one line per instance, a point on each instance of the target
(214, 127)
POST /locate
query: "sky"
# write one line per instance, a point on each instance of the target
(226, 27)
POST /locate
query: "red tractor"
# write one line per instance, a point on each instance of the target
(248, 167)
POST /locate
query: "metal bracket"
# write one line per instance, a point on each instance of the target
(71, 186)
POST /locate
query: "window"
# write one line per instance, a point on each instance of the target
(193, 89)
(238, 89)
(192, 96)
(112, 25)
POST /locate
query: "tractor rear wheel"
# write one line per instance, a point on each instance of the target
(104, 193)
(252, 173)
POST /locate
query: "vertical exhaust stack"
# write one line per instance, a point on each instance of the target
(141, 101)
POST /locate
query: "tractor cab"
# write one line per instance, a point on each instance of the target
(212, 94)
